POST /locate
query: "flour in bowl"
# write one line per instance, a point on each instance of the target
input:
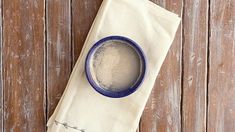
(116, 66)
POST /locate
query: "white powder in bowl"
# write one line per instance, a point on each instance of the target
(115, 66)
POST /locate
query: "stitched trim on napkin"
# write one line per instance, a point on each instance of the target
(67, 126)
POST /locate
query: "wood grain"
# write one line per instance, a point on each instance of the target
(221, 108)
(195, 66)
(83, 14)
(1, 81)
(58, 50)
(162, 112)
(23, 66)
(1, 84)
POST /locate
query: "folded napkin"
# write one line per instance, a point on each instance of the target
(81, 108)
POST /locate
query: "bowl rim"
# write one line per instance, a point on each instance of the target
(115, 94)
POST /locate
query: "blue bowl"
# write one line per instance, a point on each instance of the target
(127, 91)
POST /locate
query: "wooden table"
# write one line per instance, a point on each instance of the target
(41, 41)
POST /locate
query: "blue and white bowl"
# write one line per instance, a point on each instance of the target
(126, 91)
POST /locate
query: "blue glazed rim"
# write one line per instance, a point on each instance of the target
(127, 91)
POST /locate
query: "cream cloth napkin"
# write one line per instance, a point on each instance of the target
(81, 108)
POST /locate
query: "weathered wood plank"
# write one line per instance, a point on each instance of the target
(195, 65)
(83, 14)
(23, 66)
(221, 108)
(58, 50)
(162, 112)
(1, 81)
